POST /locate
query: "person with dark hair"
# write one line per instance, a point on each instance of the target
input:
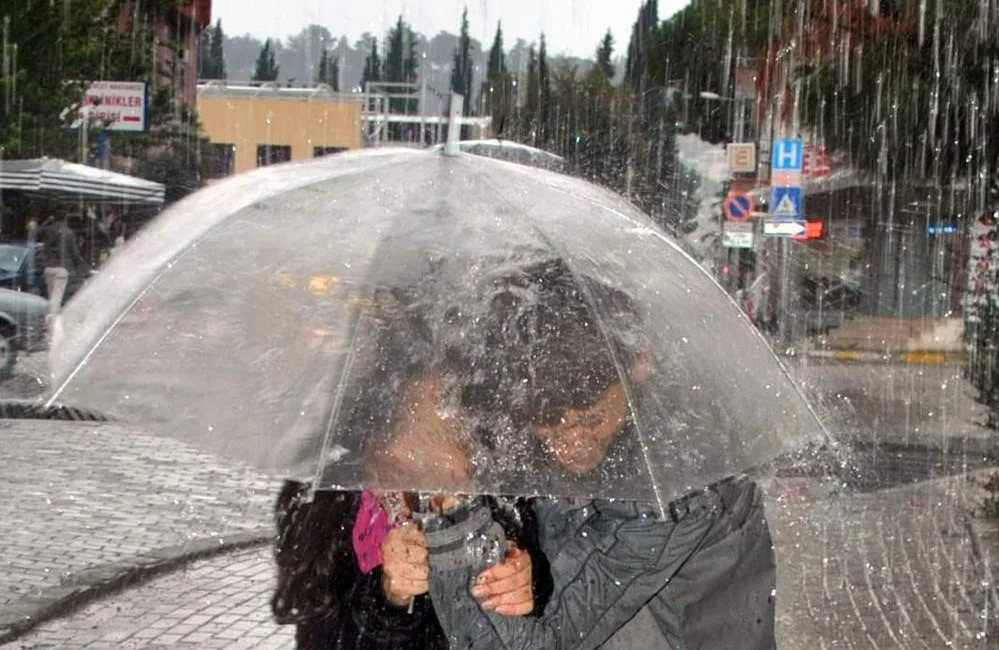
(353, 567)
(58, 257)
(623, 575)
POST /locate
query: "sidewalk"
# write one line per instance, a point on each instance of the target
(890, 340)
(891, 569)
(86, 506)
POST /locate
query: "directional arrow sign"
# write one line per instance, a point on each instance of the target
(784, 228)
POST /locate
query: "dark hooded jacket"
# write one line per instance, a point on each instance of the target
(333, 605)
(623, 577)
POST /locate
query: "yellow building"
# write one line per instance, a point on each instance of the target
(256, 126)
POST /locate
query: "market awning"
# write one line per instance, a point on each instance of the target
(60, 178)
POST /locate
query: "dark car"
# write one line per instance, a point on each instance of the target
(20, 272)
(22, 326)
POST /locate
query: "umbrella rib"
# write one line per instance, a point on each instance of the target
(341, 389)
(621, 371)
(827, 436)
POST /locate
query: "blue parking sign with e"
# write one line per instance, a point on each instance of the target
(788, 153)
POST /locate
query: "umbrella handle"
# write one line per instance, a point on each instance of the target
(409, 610)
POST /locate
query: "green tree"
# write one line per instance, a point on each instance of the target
(328, 71)
(605, 56)
(266, 67)
(496, 95)
(497, 57)
(213, 57)
(461, 72)
(530, 116)
(400, 59)
(545, 126)
(372, 65)
(51, 50)
(642, 37)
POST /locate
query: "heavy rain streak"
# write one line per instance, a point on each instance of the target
(499, 325)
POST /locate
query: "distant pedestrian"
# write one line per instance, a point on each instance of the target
(58, 256)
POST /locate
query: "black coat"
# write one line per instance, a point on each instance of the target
(336, 607)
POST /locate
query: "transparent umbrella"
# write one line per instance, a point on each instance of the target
(303, 317)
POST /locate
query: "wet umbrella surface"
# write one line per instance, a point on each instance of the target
(302, 317)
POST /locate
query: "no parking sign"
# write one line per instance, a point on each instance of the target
(738, 206)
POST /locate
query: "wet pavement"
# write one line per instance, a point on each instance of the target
(888, 570)
(83, 495)
(885, 563)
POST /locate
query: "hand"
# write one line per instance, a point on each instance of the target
(405, 564)
(507, 587)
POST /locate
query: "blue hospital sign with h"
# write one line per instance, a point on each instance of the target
(788, 154)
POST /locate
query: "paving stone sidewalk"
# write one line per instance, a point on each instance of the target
(79, 496)
(891, 569)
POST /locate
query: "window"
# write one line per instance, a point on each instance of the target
(272, 154)
(223, 160)
(326, 151)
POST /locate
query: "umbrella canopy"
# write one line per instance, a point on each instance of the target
(513, 152)
(61, 178)
(294, 316)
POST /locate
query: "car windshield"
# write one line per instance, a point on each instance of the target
(11, 257)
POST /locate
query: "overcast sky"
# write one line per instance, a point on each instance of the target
(570, 26)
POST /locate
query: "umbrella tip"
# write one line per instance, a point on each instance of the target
(454, 125)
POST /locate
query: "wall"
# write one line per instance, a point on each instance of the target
(249, 120)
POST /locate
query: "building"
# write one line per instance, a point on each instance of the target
(178, 36)
(256, 124)
(253, 126)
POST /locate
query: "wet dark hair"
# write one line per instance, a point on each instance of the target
(546, 348)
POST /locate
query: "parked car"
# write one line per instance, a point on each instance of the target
(20, 272)
(22, 326)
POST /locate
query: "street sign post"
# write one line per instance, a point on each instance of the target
(736, 234)
(785, 202)
(783, 228)
(814, 229)
(741, 157)
(788, 153)
(738, 207)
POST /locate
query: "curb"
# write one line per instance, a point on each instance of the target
(987, 562)
(91, 584)
(923, 358)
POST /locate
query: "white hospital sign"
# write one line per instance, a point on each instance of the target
(116, 105)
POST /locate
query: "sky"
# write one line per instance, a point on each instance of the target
(572, 27)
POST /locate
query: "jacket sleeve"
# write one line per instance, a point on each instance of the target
(74, 252)
(602, 574)
(377, 623)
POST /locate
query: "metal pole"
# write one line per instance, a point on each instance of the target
(454, 125)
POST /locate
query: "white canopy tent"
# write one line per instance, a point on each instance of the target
(63, 179)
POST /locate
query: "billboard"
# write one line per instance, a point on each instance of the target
(116, 105)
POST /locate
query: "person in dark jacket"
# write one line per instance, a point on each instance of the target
(353, 566)
(624, 576)
(338, 603)
(58, 257)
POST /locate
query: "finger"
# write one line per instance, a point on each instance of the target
(519, 564)
(511, 600)
(408, 586)
(509, 584)
(405, 551)
(516, 610)
(408, 572)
